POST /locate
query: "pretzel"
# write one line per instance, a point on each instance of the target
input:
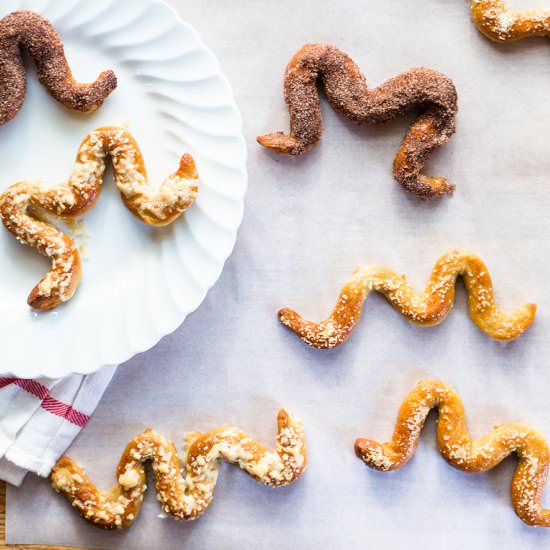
(426, 309)
(30, 31)
(432, 93)
(184, 498)
(500, 24)
(457, 448)
(76, 196)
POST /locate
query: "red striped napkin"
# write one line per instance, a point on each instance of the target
(40, 418)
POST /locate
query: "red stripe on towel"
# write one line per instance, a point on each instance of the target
(49, 403)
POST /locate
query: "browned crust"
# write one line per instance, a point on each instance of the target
(431, 93)
(499, 23)
(184, 498)
(426, 309)
(456, 446)
(30, 31)
(76, 196)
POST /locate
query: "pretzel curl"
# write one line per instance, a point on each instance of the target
(432, 93)
(426, 309)
(457, 448)
(501, 24)
(30, 31)
(184, 498)
(76, 196)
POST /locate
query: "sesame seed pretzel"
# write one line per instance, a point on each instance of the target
(184, 498)
(76, 196)
(426, 309)
(432, 93)
(501, 24)
(30, 31)
(457, 448)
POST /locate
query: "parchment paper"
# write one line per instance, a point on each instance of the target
(309, 222)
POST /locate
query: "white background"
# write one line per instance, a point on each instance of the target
(308, 223)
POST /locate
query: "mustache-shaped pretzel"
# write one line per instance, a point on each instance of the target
(426, 309)
(184, 498)
(501, 24)
(457, 448)
(30, 31)
(432, 93)
(77, 195)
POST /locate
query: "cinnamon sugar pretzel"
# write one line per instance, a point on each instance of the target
(432, 93)
(184, 498)
(76, 196)
(426, 309)
(457, 448)
(30, 31)
(501, 24)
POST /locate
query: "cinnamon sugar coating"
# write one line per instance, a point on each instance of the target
(183, 497)
(26, 30)
(431, 93)
(501, 24)
(76, 196)
(458, 449)
(428, 308)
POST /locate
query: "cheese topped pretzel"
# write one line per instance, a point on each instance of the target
(426, 309)
(184, 498)
(458, 449)
(77, 195)
(501, 24)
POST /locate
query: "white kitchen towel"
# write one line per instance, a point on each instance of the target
(40, 418)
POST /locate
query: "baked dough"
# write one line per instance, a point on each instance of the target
(30, 31)
(457, 448)
(499, 23)
(184, 498)
(431, 93)
(76, 196)
(426, 309)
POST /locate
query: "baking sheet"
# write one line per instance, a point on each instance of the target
(309, 222)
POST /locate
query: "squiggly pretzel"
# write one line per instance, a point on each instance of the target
(345, 87)
(499, 23)
(184, 498)
(76, 196)
(459, 451)
(28, 30)
(428, 308)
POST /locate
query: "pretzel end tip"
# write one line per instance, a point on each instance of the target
(525, 317)
(362, 447)
(289, 318)
(64, 474)
(530, 314)
(439, 187)
(109, 80)
(38, 301)
(187, 168)
(284, 314)
(281, 143)
(284, 419)
(373, 455)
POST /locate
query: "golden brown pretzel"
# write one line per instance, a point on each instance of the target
(76, 196)
(501, 24)
(432, 93)
(459, 451)
(30, 31)
(186, 497)
(428, 308)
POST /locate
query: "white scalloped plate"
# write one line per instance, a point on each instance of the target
(139, 282)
